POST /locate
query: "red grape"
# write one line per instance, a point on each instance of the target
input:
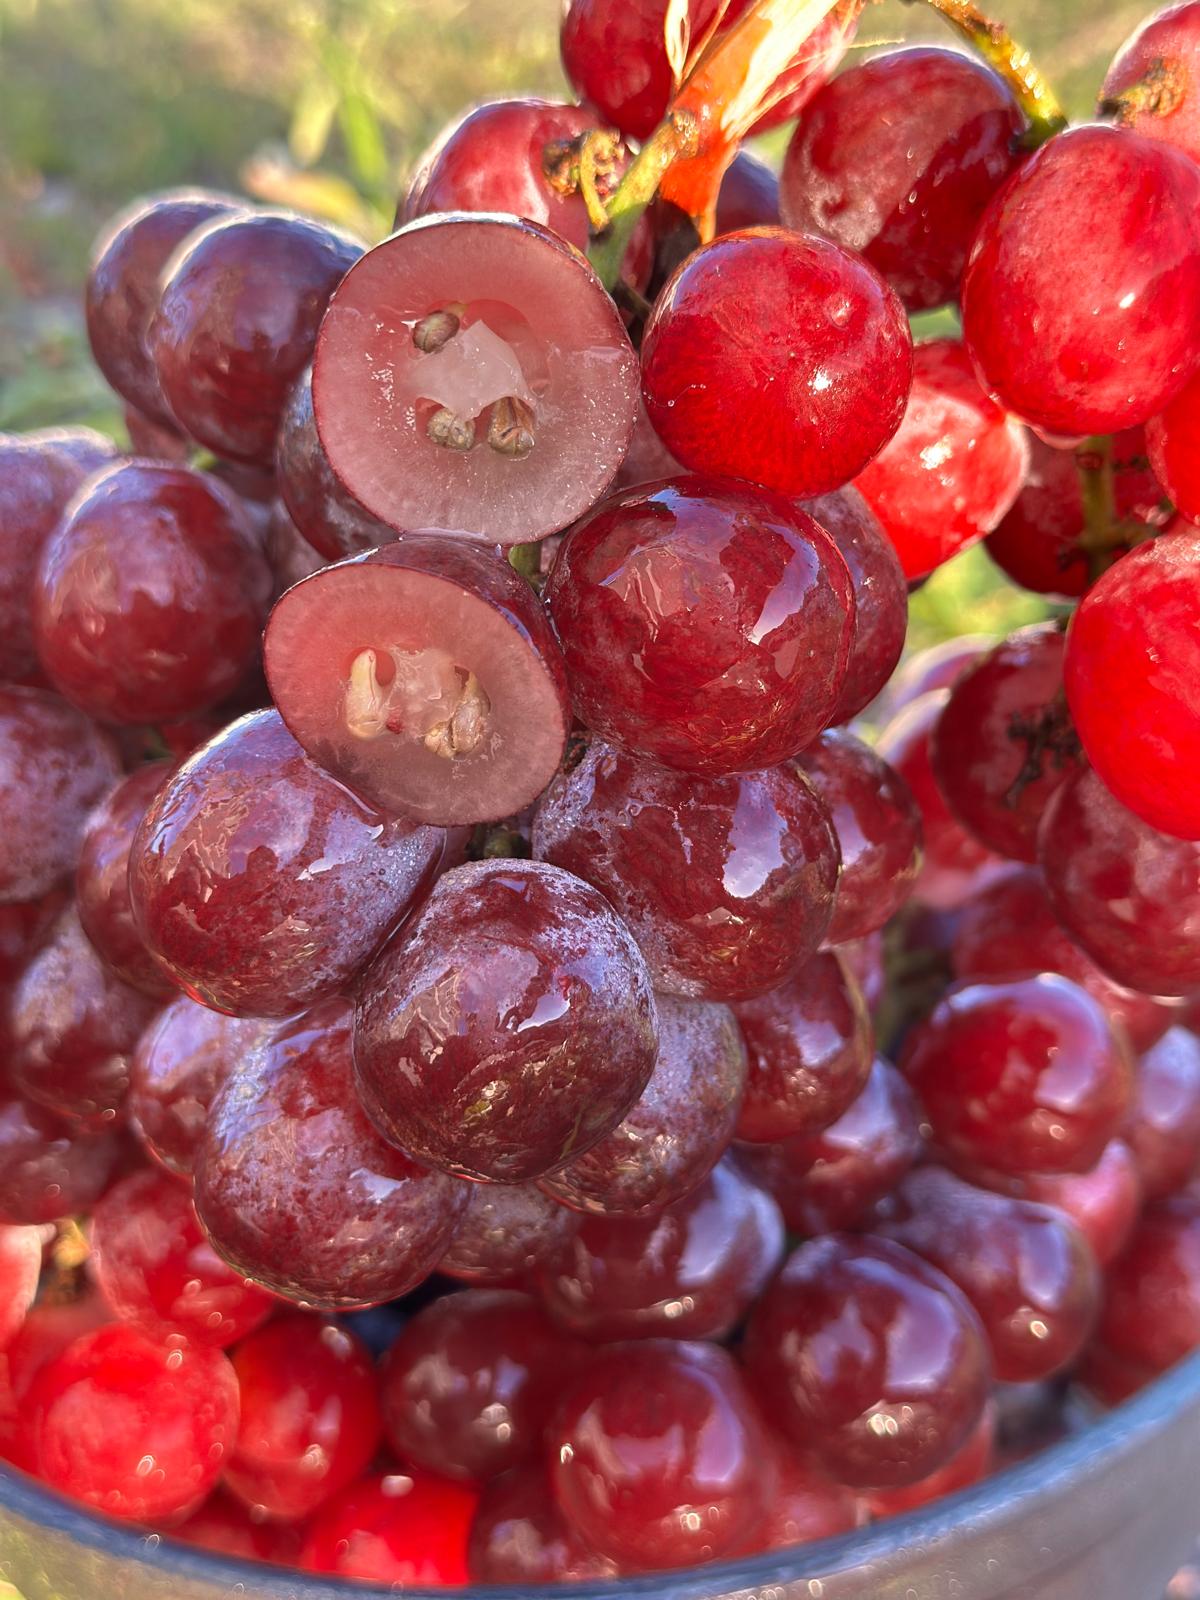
(345, 1220)
(658, 1456)
(227, 1528)
(1026, 1268)
(73, 1027)
(155, 1268)
(102, 881)
(1150, 86)
(132, 1427)
(520, 1537)
(1020, 1076)
(880, 596)
(726, 883)
(969, 1464)
(124, 286)
(505, 1231)
(953, 469)
(806, 1505)
(879, 830)
(1077, 328)
(1104, 1204)
(870, 1358)
(50, 1169)
(705, 625)
(803, 387)
(264, 885)
(1009, 930)
(440, 405)
(690, 1272)
(20, 1269)
(236, 323)
(810, 1045)
(749, 195)
(426, 677)
(328, 519)
(54, 766)
(399, 1530)
(830, 1179)
(468, 1387)
(1004, 742)
(898, 158)
(180, 1062)
(47, 1331)
(937, 667)
(1125, 892)
(680, 1127)
(1131, 671)
(309, 1416)
(1163, 1126)
(1151, 1315)
(509, 1028)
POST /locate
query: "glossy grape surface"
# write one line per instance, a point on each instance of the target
(506, 1230)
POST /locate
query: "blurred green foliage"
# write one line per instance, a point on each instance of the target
(323, 105)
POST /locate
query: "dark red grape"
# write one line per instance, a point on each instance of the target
(102, 880)
(263, 884)
(726, 883)
(658, 1455)
(880, 596)
(520, 1537)
(398, 1530)
(425, 676)
(180, 1062)
(442, 405)
(345, 1220)
(288, 552)
(1151, 1315)
(866, 960)
(152, 439)
(1104, 1204)
(1109, 1378)
(898, 158)
(830, 1179)
(327, 517)
(705, 625)
(646, 461)
(870, 1358)
(505, 1231)
(310, 1416)
(1163, 1126)
(537, 1055)
(73, 1027)
(1040, 543)
(749, 195)
(115, 1400)
(954, 861)
(39, 472)
(1151, 85)
(1077, 328)
(1125, 892)
(50, 1169)
(690, 1272)
(1009, 930)
(1026, 1268)
(1020, 1076)
(155, 1268)
(1131, 680)
(806, 1505)
(150, 595)
(226, 1527)
(1004, 742)
(803, 387)
(879, 830)
(678, 1130)
(968, 1465)
(125, 283)
(468, 1387)
(237, 321)
(937, 667)
(55, 765)
(953, 469)
(810, 1044)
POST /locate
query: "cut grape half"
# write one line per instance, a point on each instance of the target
(471, 373)
(426, 677)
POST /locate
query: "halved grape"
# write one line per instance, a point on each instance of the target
(425, 675)
(472, 374)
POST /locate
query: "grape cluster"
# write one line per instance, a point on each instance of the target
(532, 1050)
